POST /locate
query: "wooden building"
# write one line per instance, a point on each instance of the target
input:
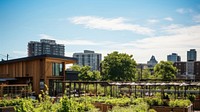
(36, 71)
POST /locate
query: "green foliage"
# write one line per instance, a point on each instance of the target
(118, 67)
(154, 101)
(9, 102)
(191, 97)
(68, 105)
(146, 74)
(96, 75)
(152, 110)
(76, 68)
(86, 73)
(46, 103)
(25, 105)
(179, 103)
(165, 70)
(118, 101)
(138, 105)
(82, 104)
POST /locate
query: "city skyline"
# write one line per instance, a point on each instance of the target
(139, 27)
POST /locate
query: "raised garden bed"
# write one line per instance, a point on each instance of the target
(7, 109)
(196, 104)
(102, 106)
(173, 109)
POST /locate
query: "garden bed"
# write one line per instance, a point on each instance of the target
(173, 109)
(102, 106)
(7, 109)
(196, 104)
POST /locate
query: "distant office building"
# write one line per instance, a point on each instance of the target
(181, 66)
(197, 70)
(152, 62)
(89, 58)
(188, 70)
(45, 46)
(173, 57)
(191, 55)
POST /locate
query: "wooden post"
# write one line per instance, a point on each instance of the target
(96, 89)
(63, 70)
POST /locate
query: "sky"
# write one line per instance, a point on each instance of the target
(141, 28)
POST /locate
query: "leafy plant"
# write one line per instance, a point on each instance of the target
(179, 103)
(191, 97)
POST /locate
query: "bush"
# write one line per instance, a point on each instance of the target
(154, 101)
(191, 97)
(152, 110)
(179, 103)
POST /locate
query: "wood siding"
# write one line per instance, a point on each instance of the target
(37, 69)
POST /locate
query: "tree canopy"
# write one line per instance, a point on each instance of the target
(86, 73)
(165, 70)
(118, 67)
(146, 74)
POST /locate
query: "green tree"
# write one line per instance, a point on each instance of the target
(86, 73)
(118, 67)
(146, 74)
(76, 68)
(165, 70)
(96, 75)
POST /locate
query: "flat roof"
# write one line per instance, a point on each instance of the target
(38, 57)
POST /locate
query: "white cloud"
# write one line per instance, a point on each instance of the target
(152, 21)
(20, 52)
(17, 54)
(181, 40)
(196, 18)
(168, 19)
(171, 27)
(178, 39)
(184, 10)
(77, 42)
(117, 24)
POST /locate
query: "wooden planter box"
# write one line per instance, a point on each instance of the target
(162, 108)
(173, 109)
(7, 109)
(196, 104)
(102, 106)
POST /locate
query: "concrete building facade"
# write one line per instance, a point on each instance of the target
(89, 58)
(45, 46)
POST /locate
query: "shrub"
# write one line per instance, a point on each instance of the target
(179, 103)
(152, 110)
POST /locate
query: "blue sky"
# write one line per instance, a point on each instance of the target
(138, 27)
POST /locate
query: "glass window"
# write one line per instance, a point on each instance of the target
(57, 69)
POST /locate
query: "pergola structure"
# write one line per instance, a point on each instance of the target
(77, 88)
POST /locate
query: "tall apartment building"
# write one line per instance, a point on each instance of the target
(89, 58)
(45, 46)
(191, 55)
(173, 57)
